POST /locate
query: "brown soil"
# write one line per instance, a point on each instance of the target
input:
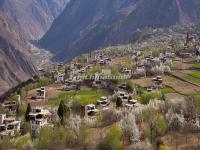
(51, 91)
(182, 141)
(144, 82)
(174, 97)
(181, 86)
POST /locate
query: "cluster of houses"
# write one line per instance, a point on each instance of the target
(152, 65)
(156, 83)
(8, 125)
(69, 85)
(39, 118)
(59, 77)
(78, 72)
(127, 72)
(127, 100)
(102, 60)
(191, 47)
(91, 110)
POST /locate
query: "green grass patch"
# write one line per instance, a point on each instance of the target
(88, 96)
(96, 69)
(196, 66)
(162, 147)
(65, 95)
(146, 97)
(147, 52)
(170, 78)
(196, 95)
(82, 97)
(193, 94)
(167, 90)
(194, 77)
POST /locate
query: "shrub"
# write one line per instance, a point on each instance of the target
(155, 121)
(161, 125)
(109, 117)
(112, 140)
(130, 129)
(22, 142)
(26, 128)
(45, 138)
(59, 137)
(146, 97)
(162, 147)
(130, 86)
(5, 143)
(20, 111)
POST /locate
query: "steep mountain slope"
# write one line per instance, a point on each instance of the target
(84, 24)
(158, 13)
(34, 17)
(15, 65)
(91, 24)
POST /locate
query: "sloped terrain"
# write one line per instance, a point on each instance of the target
(34, 17)
(88, 25)
(15, 65)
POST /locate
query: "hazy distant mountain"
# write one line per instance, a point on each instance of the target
(86, 25)
(15, 65)
(34, 17)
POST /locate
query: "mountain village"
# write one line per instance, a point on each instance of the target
(110, 99)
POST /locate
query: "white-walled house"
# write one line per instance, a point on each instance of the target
(39, 117)
(41, 93)
(103, 101)
(59, 77)
(11, 106)
(90, 110)
(8, 125)
(132, 103)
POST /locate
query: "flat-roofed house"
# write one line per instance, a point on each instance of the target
(8, 125)
(59, 77)
(41, 93)
(39, 117)
(103, 101)
(10, 105)
(91, 110)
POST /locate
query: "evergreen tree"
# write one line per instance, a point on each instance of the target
(67, 72)
(63, 111)
(119, 102)
(78, 87)
(28, 110)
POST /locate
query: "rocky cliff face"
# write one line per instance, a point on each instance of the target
(34, 17)
(15, 65)
(91, 24)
